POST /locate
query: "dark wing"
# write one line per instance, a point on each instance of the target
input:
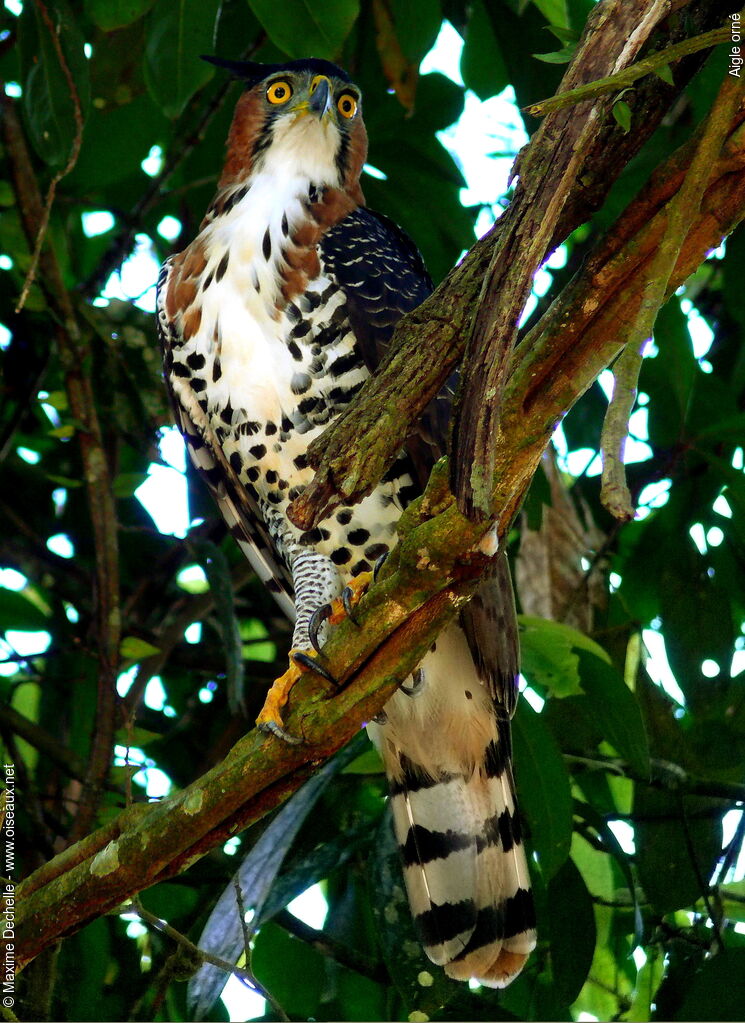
(381, 272)
(383, 276)
(236, 506)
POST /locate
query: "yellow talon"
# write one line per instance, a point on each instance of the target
(355, 589)
(270, 718)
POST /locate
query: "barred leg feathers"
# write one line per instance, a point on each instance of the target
(447, 757)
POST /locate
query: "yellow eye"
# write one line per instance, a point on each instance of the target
(347, 105)
(279, 92)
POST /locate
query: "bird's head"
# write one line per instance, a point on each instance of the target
(303, 118)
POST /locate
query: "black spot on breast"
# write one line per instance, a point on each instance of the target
(227, 414)
(358, 536)
(216, 371)
(294, 351)
(300, 329)
(376, 550)
(266, 245)
(307, 405)
(301, 462)
(248, 428)
(344, 516)
(207, 280)
(253, 473)
(341, 556)
(180, 370)
(271, 476)
(222, 266)
(198, 385)
(274, 498)
(283, 484)
(468, 694)
(257, 451)
(286, 424)
(236, 462)
(285, 225)
(361, 566)
(270, 428)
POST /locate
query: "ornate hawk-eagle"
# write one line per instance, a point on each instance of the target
(270, 321)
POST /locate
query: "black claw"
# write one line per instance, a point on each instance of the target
(379, 564)
(299, 657)
(319, 616)
(272, 728)
(346, 598)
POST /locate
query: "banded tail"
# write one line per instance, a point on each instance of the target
(447, 755)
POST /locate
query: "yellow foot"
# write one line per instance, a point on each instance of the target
(270, 718)
(342, 607)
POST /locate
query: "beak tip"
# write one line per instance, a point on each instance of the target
(320, 100)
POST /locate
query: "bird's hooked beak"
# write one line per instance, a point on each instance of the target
(320, 101)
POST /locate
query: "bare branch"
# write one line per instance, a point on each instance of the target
(627, 77)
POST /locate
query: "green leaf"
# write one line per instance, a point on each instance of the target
(278, 960)
(112, 14)
(481, 63)
(18, 612)
(549, 654)
(569, 899)
(301, 27)
(558, 57)
(717, 990)
(543, 788)
(564, 35)
(215, 566)
(58, 400)
(133, 649)
(176, 33)
(665, 73)
(47, 100)
(615, 709)
(622, 114)
(126, 483)
(223, 932)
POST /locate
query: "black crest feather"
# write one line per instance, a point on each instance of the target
(252, 73)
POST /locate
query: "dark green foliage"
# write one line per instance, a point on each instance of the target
(609, 744)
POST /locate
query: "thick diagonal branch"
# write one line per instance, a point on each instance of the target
(393, 400)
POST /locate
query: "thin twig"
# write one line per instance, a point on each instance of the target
(614, 493)
(328, 946)
(626, 78)
(247, 950)
(71, 160)
(685, 203)
(200, 955)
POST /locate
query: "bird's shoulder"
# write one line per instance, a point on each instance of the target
(381, 272)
